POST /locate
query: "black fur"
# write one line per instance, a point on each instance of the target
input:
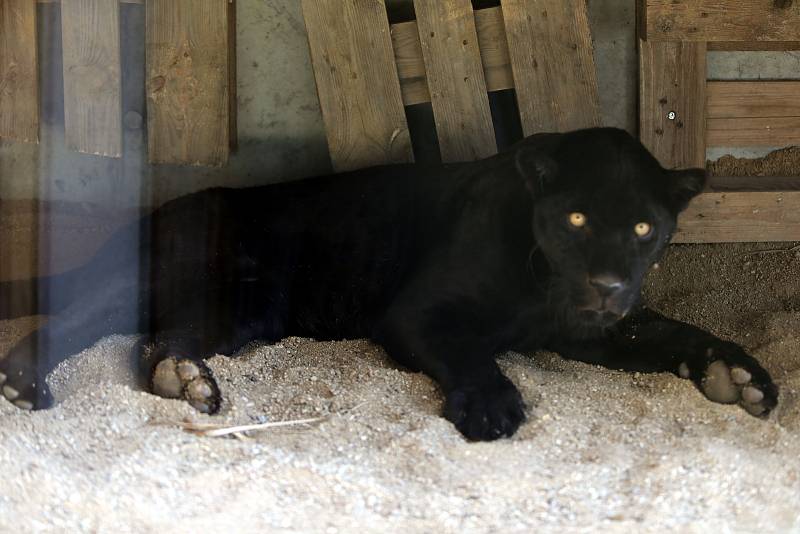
(444, 266)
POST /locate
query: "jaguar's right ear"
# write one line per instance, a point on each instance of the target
(536, 167)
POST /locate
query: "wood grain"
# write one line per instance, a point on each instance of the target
(740, 217)
(750, 113)
(721, 20)
(92, 78)
(753, 46)
(357, 83)
(120, 1)
(672, 78)
(553, 65)
(188, 86)
(19, 87)
(493, 48)
(735, 99)
(493, 43)
(754, 183)
(410, 63)
(455, 79)
(753, 131)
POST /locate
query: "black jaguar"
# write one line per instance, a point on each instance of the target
(544, 246)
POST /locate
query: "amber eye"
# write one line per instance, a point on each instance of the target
(643, 229)
(577, 219)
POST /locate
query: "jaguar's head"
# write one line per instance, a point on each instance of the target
(604, 211)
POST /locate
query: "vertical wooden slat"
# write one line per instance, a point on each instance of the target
(551, 57)
(455, 79)
(673, 80)
(357, 83)
(188, 81)
(233, 137)
(19, 88)
(92, 82)
(494, 49)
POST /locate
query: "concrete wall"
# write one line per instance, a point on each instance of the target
(281, 136)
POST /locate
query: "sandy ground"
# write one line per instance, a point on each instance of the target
(602, 450)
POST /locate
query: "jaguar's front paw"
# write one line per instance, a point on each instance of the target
(730, 376)
(485, 412)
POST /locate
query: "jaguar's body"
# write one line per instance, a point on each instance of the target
(541, 247)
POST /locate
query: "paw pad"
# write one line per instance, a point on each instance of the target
(728, 384)
(192, 381)
(718, 384)
(683, 370)
(10, 393)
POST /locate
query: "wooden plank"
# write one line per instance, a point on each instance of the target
(753, 46)
(753, 131)
(357, 83)
(493, 47)
(92, 78)
(19, 87)
(493, 43)
(120, 1)
(747, 113)
(188, 85)
(754, 183)
(410, 63)
(672, 79)
(455, 79)
(553, 65)
(721, 20)
(233, 125)
(741, 216)
(739, 99)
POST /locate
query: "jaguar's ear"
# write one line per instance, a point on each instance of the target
(684, 185)
(536, 167)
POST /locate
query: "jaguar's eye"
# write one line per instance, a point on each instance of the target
(643, 229)
(577, 219)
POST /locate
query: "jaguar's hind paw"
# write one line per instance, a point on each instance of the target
(21, 385)
(190, 380)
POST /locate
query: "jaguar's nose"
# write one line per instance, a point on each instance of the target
(607, 284)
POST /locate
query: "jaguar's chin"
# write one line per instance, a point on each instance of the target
(598, 318)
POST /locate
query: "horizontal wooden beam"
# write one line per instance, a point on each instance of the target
(738, 99)
(757, 131)
(741, 216)
(721, 184)
(752, 113)
(721, 20)
(753, 46)
(121, 1)
(493, 47)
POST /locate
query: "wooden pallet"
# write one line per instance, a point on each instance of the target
(367, 71)
(681, 113)
(190, 75)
